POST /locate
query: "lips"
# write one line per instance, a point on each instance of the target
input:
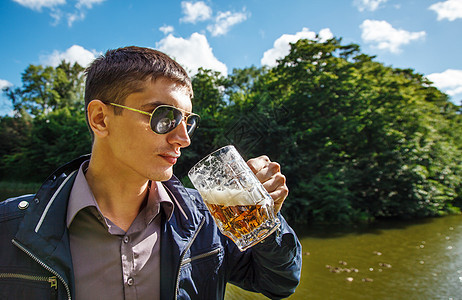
(171, 158)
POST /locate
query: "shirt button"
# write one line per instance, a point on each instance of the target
(130, 281)
(126, 239)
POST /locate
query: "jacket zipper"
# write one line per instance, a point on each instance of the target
(49, 269)
(52, 280)
(177, 285)
(203, 255)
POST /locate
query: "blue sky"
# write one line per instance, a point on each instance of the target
(425, 35)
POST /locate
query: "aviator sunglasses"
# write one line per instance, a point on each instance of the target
(165, 118)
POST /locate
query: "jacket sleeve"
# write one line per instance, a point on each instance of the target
(271, 267)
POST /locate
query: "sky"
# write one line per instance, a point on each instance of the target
(424, 35)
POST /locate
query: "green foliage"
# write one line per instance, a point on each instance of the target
(55, 139)
(46, 88)
(366, 139)
(48, 128)
(357, 140)
(14, 133)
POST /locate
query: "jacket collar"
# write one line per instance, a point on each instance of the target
(176, 235)
(43, 232)
(186, 215)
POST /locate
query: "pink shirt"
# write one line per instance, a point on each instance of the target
(108, 262)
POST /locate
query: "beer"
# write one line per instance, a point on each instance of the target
(239, 220)
(237, 214)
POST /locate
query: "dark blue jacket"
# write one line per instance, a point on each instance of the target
(196, 259)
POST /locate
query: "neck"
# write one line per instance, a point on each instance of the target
(119, 196)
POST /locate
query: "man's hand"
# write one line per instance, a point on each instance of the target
(269, 174)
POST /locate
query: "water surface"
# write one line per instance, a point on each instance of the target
(389, 260)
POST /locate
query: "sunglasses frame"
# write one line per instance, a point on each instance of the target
(184, 114)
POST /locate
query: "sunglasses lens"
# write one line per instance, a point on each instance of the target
(163, 125)
(191, 124)
(165, 119)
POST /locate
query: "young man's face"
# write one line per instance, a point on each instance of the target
(140, 152)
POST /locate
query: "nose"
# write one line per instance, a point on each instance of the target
(180, 135)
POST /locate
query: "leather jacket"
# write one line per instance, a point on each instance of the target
(196, 259)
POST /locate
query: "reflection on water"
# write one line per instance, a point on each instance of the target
(389, 260)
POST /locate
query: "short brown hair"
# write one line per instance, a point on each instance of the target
(124, 71)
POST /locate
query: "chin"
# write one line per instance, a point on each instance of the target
(161, 176)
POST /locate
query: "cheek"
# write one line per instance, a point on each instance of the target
(133, 139)
(136, 130)
(142, 144)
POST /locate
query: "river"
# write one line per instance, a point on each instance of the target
(387, 260)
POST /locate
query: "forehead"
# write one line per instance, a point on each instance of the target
(161, 91)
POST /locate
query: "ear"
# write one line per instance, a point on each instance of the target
(97, 113)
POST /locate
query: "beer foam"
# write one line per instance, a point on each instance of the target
(229, 197)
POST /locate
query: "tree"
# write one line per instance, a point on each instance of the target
(46, 88)
(49, 126)
(14, 133)
(360, 136)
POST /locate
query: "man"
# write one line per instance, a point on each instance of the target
(118, 224)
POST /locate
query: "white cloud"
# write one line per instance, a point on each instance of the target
(6, 107)
(72, 55)
(384, 37)
(224, 21)
(450, 81)
(370, 5)
(80, 12)
(75, 16)
(281, 46)
(38, 4)
(450, 9)
(194, 12)
(56, 14)
(192, 53)
(4, 84)
(166, 29)
(87, 3)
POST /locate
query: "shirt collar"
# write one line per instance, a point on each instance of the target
(161, 197)
(81, 195)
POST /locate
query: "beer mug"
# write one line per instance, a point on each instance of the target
(241, 207)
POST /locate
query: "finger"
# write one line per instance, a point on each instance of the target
(268, 172)
(279, 197)
(258, 163)
(274, 183)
